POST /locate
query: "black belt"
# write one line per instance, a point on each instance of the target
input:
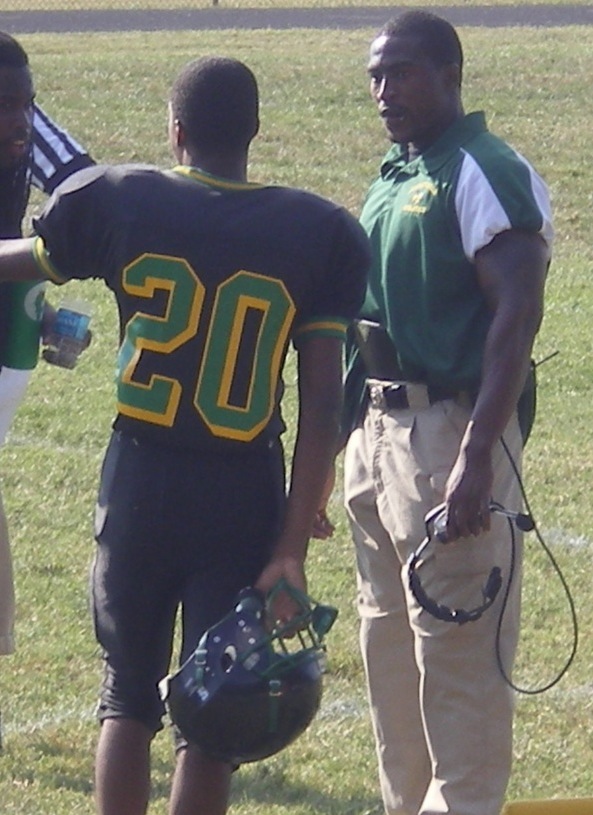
(405, 395)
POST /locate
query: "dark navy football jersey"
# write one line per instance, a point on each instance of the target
(213, 279)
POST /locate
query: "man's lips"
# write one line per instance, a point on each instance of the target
(393, 114)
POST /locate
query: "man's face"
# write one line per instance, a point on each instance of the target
(416, 99)
(16, 115)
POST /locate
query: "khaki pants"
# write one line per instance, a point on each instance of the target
(441, 710)
(6, 589)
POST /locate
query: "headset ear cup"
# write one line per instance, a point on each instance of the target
(416, 586)
(493, 584)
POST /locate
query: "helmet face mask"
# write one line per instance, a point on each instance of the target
(247, 692)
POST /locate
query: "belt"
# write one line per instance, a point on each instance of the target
(415, 395)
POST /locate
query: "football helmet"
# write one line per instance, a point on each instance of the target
(250, 689)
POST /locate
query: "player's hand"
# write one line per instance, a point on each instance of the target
(284, 608)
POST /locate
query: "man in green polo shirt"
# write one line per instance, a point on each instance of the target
(460, 229)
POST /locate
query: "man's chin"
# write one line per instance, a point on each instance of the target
(396, 135)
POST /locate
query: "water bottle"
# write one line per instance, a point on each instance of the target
(69, 333)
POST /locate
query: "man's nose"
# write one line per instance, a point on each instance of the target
(385, 88)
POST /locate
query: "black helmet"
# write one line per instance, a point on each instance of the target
(247, 692)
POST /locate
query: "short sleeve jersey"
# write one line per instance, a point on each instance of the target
(54, 155)
(426, 219)
(213, 279)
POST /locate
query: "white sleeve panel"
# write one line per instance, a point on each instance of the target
(480, 213)
(541, 195)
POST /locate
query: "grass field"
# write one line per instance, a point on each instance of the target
(319, 131)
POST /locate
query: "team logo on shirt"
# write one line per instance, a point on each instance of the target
(419, 198)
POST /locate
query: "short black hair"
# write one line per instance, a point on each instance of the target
(216, 100)
(12, 53)
(436, 37)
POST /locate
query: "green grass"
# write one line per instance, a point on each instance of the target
(319, 131)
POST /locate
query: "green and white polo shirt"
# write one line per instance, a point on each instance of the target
(426, 219)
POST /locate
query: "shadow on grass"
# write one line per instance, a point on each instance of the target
(61, 762)
(267, 784)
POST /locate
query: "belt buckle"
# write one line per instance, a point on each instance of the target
(376, 395)
(399, 395)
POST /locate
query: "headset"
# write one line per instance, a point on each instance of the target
(435, 523)
(436, 528)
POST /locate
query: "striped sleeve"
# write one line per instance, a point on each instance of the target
(321, 327)
(56, 154)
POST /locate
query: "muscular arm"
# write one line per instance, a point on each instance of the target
(320, 398)
(511, 271)
(17, 261)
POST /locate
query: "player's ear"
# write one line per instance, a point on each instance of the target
(179, 134)
(176, 135)
(177, 139)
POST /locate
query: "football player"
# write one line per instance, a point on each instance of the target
(214, 277)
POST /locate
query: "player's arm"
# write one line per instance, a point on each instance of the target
(511, 272)
(320, 399)
(17, 260)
